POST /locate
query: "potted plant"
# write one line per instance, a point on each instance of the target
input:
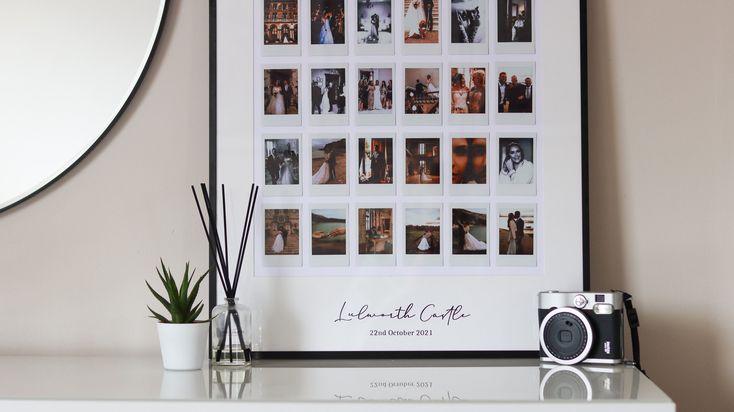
(182, 337)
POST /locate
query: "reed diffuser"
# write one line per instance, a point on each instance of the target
(232, 321)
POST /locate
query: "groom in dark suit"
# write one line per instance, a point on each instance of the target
(520, 232)
(332, 166)
(428, 7)
(315, 98)
(459, 235)
(287, 94)
(273, 167)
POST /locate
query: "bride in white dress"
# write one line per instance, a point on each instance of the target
(278, 244)
(423, 176)
(286, 177)
(325, 105)
(277, 103)
(378, 96)
(322, 175)
(472, 243)
(413, 18)
(424, 245)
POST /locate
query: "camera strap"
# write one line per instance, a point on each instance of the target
(634, 323)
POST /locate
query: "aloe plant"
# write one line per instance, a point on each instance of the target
(180, 303)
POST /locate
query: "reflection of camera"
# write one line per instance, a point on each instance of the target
(581, 327)
(582, 383)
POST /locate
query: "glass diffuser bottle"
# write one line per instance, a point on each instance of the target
(232, 334)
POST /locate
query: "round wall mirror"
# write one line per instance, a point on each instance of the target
(69, 68)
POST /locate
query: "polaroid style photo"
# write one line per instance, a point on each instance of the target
(329, 96)
(516, 174)
(282, 243)
(375, 237)
(469, 240)
(328, 27)
(281, 165)
(515, 93)
(515, 30)
(516, 235)
(468, 98)
(375, 164)
(469, 164)
(329, 165)
(422, 95)
(280, 96)
(422, 224)
(374, 30)
(329, 235)
(423, 165)
(469, 27)
(374, 100)
(280, 28)
(421, 26)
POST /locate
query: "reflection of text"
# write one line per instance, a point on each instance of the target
(428, 313)
(447, 396)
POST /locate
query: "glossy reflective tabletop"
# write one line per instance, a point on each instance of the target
(90, 383)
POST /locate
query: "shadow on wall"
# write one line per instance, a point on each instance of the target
(682, 348)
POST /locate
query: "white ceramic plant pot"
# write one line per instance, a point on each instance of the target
(183, 345)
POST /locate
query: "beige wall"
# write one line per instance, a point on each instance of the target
(660, 88)
(661, 178)
(74, 257)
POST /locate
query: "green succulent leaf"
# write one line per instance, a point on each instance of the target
(158, 316)
(180, 303)
(160, 298)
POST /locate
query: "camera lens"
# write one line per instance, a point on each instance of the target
(566, 335)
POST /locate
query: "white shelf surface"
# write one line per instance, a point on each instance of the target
(119, 384)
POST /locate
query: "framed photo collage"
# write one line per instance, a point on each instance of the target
(408, 154)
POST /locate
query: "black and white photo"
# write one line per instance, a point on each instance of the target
(514, 21)
(328, 91)
(281, 162)
(469, 23)
(517, 172)
(374, 22)
(516, 161)
(515, 26)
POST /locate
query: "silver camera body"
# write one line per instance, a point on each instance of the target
(581, 327)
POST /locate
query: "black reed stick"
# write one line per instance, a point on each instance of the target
(206, 232)
(224, 338)
(240, 252)
(246, 235)
(215, 235)
(249, 225)
(224, 214)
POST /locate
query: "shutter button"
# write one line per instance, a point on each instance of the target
(579, 301)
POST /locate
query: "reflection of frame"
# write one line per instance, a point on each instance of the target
(405, 177)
